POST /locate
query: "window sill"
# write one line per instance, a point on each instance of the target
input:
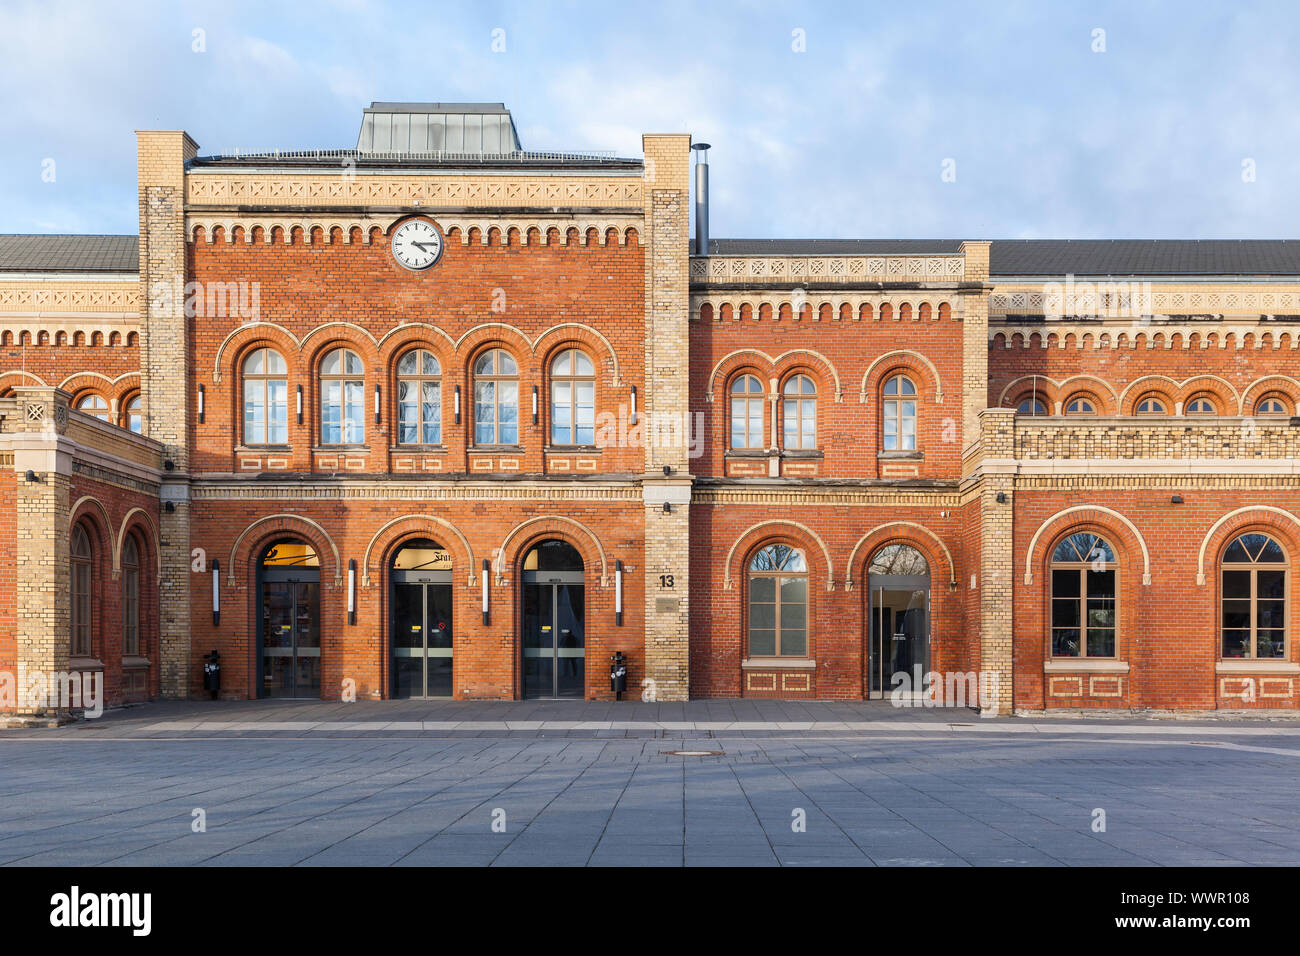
(901, 455)
(777, 663)
(1094, 665)
(335, 449)
(572, 449)
(1253, 665)
(135, 663)
(804, 453)
(414, 449)
(261, 449)
(751, 452)
(85, 664)
(496, 449)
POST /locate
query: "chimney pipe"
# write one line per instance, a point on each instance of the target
(701, 198)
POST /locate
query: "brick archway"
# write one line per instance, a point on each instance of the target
(258, 534)
(402, 529)
(901, 532)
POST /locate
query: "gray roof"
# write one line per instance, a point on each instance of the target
(69, 254)
(1059, 257)
(405, 128)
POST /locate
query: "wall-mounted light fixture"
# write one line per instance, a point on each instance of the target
(534, 404)
(618, 593)
(1176, 500)
(457, 404)
(32, 476)
(170, 506)
(668, 508)
(487, 568)
(352, 591)
(169, 465)
(200, 400)
(376, 404)
(299, 404)
(216, 592)
(632, 418)
(668, 470)
(1002, 497)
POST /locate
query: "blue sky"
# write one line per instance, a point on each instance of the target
(846, 139)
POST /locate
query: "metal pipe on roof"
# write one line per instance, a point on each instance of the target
(701, 198)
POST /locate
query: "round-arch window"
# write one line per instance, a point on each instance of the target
(419, 398)
(93, 404)
(266, 398)
(1272, 405)
(898, 559)
(343, 400)
(1202, 405)
(496, 399)
(134, 421)
(553, 555)
(1084, 580)
(1254, 597)
(747, 412)
(800, 413)
(130, 597)
(778, 602)
(1080, 406)
(1150, 405)
(573, 399)
(81, 564)
(1031, 405)
(899, 414)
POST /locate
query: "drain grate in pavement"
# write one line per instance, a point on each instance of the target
(694, 753)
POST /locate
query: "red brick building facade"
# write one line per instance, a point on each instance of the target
(440, 417)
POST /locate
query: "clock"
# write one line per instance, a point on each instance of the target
(417, 244)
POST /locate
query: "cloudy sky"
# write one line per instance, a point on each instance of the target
(837, 120)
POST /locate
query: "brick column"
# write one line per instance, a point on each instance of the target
(975, 341)
(667, 407)
(997, 525)
(42, 571)
(165, 379)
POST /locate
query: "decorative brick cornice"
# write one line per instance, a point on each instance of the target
(937, 268)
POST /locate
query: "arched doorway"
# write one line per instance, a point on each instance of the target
(288, 644)
(421, 621)
(898, 589)
(554, 634)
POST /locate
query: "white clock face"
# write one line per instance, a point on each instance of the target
(417, 244)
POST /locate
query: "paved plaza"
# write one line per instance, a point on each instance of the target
(760, 783)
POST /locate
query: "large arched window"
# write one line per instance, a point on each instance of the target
(81, 566)
(1084, 579)
(266, 398)
(419, 399)
(93, 404)
(131, 415)
(778, 602)
(1254, 598)
(899, 414)
(343, 399)
(800, 413)
(747, 412)
(496, 399)
(130, 597)
(573, 399)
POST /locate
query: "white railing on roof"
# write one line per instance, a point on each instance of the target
(441, 156)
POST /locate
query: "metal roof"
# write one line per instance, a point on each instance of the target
(474, 128)
(44, 253)
(1059, 257)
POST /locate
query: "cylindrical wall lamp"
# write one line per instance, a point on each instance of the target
(299, 404)
(618, 593)
(376, 404)
(216, 593)
(352, 591)
(200, 404)
(534, 404)
(487, 568)
(632, 419)
(457, 404)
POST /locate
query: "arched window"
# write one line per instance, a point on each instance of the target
(1254, 598)
(343, 399)
(899, 414)
(266, 398)
(1151, 405)
(800, 413)
(93, 404)
(81, 564)
(1273, 405)
(747, 412)
(496, 399)
(1083, 597)
(1080, 405)
(573, 399)
(131, 417)
(898, 559)
(130, 597)
(419, 399)
(778, 602)
(1201, 405)
(1031, 405)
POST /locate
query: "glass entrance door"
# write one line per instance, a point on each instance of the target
(289, 642)
(554, 634)
(421, 643)
(900, 639)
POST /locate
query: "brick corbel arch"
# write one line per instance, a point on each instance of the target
(1223, 391)
(151, 532)
(900, 358)
(90, 505)
(1099, 389)
(1045, 388)
(1056, 523)
(903, 532)
(494, 332)
(585, 334)
(783, 367)
(539, 526)
(255, 331)
(1159, 385)
(767, 529)
(335, 335)
(1285, 384)
(405, 526)
(1233, 526)
(733, 361)
(411, 334)
(284, 524)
